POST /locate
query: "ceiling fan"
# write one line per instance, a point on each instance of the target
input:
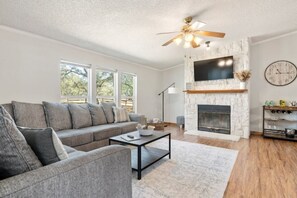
(190, 32)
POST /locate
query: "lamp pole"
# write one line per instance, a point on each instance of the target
(162, 93)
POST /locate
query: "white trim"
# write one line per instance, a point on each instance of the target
(274, 38)
(74, 97)
(3, 27)
(62, 61)
(105, 69)
(173, 67)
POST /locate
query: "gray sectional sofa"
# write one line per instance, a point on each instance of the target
(76, 127)
(101, 172)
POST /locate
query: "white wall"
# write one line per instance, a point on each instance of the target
(263, 54)
(29, 70)
(174, 103)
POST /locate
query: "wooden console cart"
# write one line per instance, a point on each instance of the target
(278, 130)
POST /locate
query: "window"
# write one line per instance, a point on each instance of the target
(128, 91)
(105, 86)
(74, 83)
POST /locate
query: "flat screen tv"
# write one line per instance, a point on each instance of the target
(214, 69)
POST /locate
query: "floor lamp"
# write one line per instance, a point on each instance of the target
(171, 90)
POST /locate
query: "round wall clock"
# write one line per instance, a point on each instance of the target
(280, 73)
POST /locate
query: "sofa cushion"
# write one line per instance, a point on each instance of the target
(80, 115)
(126, 127)
(58, 116)
(107, 107)
(102, 132)
(69, 149)
(9, 109)
(76, 137)
(73, 152)
(29, 115)
(16, 155)
(97, 114)
(120, 114)
(45, 144)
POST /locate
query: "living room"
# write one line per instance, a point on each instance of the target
(101, 55)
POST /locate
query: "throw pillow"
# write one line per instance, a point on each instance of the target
(107, 108)
(57, 115)
(9, 109)
(80, 115)
(45, 144)
(29, 115)
(97, 114)
(16, 156)
(120, 115)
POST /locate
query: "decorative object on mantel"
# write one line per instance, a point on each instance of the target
(280, 73)
(243, 76)
(191, 34)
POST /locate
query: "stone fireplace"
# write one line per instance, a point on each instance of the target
(214, 118)
(236, 124)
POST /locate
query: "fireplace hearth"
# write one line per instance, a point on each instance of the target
(214, 118)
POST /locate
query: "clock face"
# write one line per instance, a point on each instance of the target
(280, 73)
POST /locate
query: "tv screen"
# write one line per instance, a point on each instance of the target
(214, 69)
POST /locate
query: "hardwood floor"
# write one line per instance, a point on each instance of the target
(264, 167)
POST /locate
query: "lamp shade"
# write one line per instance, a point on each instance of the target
(172, 90)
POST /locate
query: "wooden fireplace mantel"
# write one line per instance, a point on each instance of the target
(215, 91)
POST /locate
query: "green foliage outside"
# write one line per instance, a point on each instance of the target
(127, 85)
(104, 83)
(74, 82)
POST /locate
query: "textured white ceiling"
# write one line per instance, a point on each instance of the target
(127, 28)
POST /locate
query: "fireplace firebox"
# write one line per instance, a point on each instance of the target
(214, 118)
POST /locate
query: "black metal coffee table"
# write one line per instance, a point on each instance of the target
(144, 156)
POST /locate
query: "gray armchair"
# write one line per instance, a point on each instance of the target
(104, 172)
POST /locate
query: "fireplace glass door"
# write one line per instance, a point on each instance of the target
(214, 118)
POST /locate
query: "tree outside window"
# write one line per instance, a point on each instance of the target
(105, 86)
(128, 91)
(74, 83)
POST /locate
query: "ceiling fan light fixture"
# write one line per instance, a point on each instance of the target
(200, 24)
(189, 37)
(177, 41)
(198, 40)
(187, 44)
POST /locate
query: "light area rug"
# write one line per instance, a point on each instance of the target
(194, 170)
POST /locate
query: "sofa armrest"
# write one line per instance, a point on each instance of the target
(138, 118)
(104, 172)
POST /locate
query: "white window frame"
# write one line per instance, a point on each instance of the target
(89, 70)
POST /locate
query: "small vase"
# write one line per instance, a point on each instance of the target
(242, 85)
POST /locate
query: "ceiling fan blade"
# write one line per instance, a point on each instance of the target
(171, 40)
(197, 25)
(167, 32)
(194, 44)
(208, 33)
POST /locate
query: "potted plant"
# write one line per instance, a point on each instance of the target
(243, 76)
